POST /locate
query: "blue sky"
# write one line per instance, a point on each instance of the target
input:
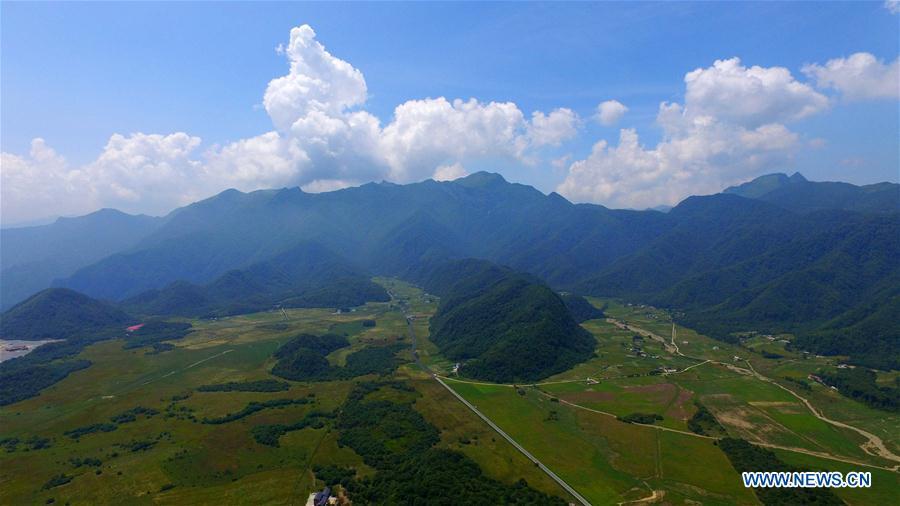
(75, 74)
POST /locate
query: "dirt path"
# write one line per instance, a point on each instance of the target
(186, 368)
(670, 347)
(655, 496)
(767, 445)
(874, 446)
(823, 455)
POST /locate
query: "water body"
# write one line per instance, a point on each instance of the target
(10, 348)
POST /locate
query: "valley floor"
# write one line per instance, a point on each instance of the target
(569, 422)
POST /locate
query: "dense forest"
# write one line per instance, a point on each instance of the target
(746, 457)
(302, 358)
(59, 313)
(267, 385)
(580, 309)
(409, 469)
(155, 332)
(860, 384)
(19, 383)
(503, 325)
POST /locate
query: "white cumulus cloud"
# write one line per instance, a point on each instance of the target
(859, 76)
(41, 181)
(749, 96)
(449, 172)
(708, 157)
(554, 128)
(610, 112)
(317, 82)
(431, 132)
(729, 127)
(323, 139)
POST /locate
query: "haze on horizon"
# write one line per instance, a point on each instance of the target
(604, 106)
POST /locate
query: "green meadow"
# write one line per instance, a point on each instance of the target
(168, 455)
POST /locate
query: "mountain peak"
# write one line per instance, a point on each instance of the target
(765, 184)
(480, 179)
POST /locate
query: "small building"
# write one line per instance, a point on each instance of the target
(319, 498)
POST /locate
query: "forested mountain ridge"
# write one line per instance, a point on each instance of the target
(59, 313)
(758, 263)
(306, 275)
(384, 228)
(32, 257)
(821, 276)
(798, 194)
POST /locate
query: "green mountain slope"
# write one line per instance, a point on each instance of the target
(760, 264)
(580, 309)
(32, 257)
(749, 266)
(306, 275)
(503, 325)
(59, 313)
(384, 228)
(798, 194)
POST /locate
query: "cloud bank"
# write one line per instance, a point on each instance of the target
(731, 125)
(858, 77)
(323, 139)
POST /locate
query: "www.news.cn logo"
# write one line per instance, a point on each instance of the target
(807, 479)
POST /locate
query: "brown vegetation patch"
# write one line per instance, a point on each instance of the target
(588, 396)
(660, 393)
(737, 417)
(681, 407)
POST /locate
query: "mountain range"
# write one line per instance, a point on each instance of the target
(32, 257)
(306, 275)
(778, 254)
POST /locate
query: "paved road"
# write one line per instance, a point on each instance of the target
(513, 442)
(542, 467)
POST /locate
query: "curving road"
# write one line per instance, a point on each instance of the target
(873, 446)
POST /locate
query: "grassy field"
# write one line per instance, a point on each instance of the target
(606, 460)
(171, 457)
(623, 381)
